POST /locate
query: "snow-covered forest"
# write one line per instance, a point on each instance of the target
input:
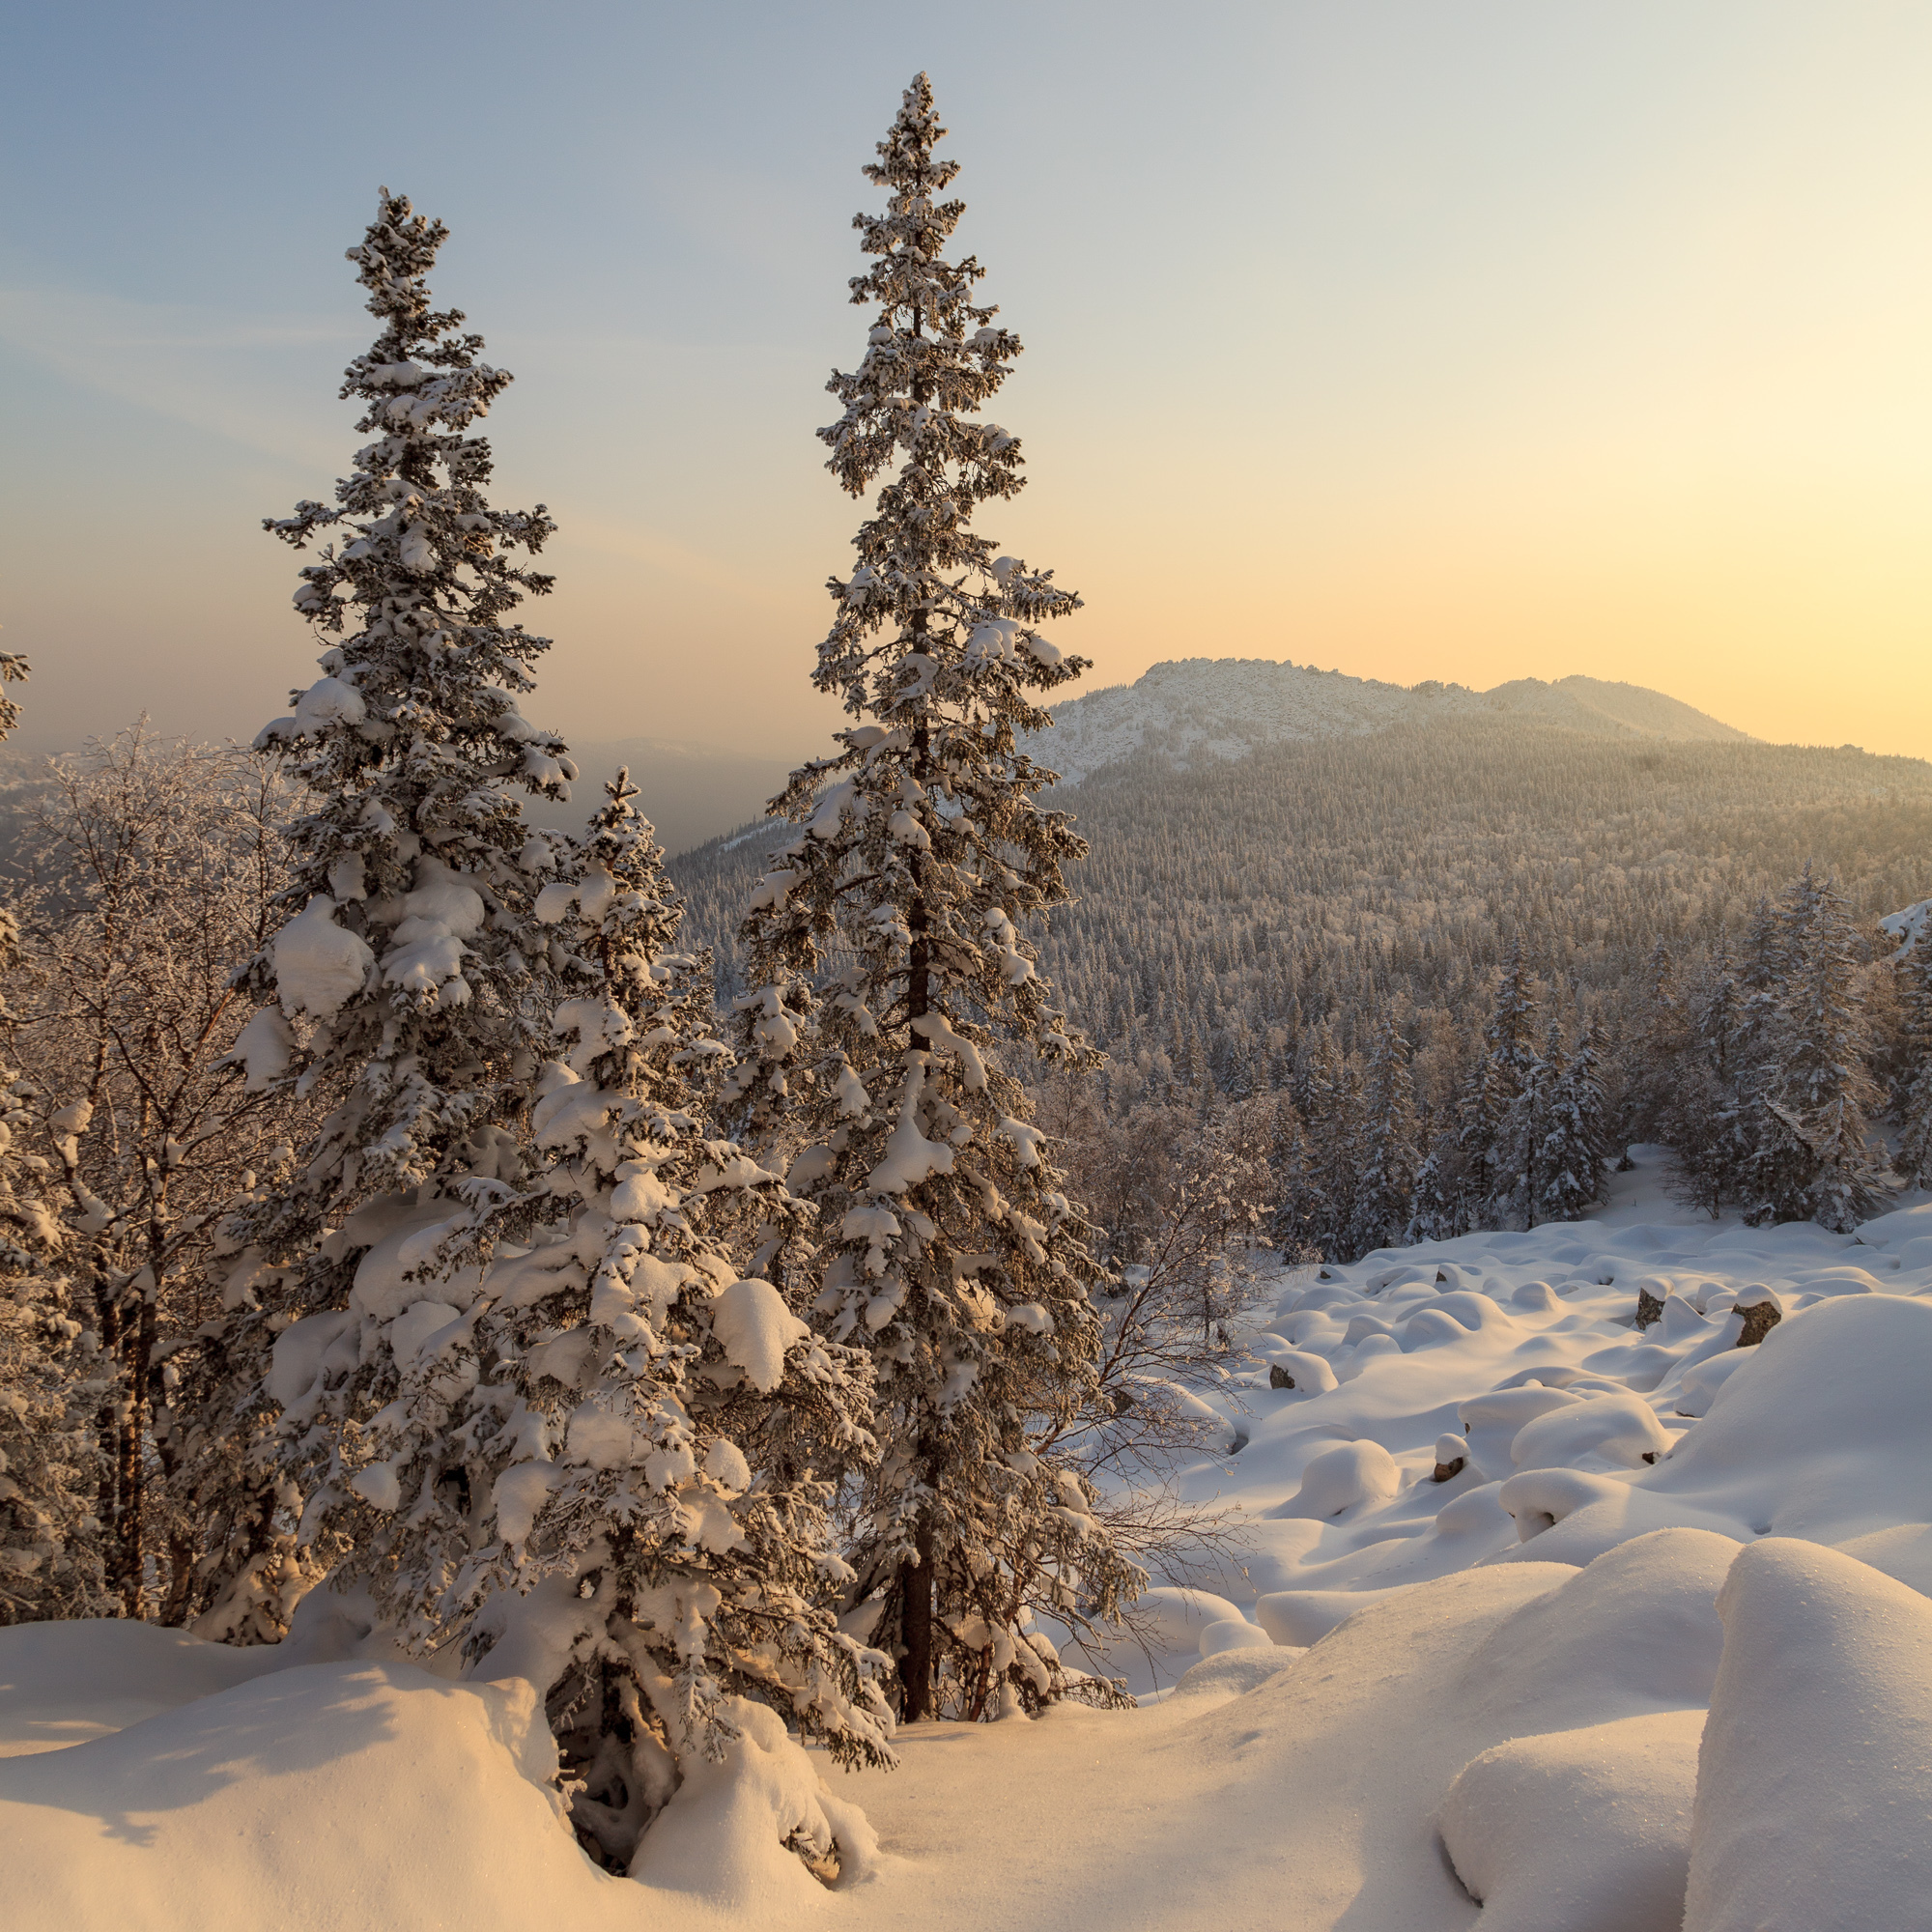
(1326, 1324)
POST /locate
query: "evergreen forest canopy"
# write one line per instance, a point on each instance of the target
(1244, 931)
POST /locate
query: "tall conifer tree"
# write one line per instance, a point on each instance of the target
(895, 998)
(408, 983)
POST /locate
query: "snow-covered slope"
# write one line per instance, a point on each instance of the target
(1656, 1658)
(1222, 707)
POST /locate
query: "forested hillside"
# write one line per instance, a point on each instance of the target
(1226, 911)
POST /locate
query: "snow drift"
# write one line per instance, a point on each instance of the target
(1412, 1703)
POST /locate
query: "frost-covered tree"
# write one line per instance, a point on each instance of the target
(1815, 1159)
(50, 1389)
(1294, 1185)
(895, 1000)
(1570, 1162)
(1517, 1152)
(406, 984)
(1914, 1157)
(1441, 1210)
(1508, 1056)
(1385, 1182)
(1332, 1103)
(1710, 1099)
(151, 866)
(598, 1459)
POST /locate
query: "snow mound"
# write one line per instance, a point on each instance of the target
(65, 1683)
(337, 1795)
(1585, 1830)
(1812, 1783)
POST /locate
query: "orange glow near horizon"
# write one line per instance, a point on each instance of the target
(1525, 342)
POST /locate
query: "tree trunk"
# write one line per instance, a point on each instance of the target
(915, 1628)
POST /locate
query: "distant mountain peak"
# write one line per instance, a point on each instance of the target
(1190, 708)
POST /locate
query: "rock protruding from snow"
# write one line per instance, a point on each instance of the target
(1813, 1780)
(1762, 1312)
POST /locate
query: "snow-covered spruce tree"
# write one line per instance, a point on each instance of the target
(598, 1461)
(1705, 1123)
(407, 983)
(1295, 1190)
(1509, 1054)
(1440, 1208)
(1385, 1186)
(1332, 1104)
(1815, 1160)
(1914, 1157)
(891, 973)
(1516, 1157)
(1570, 1162)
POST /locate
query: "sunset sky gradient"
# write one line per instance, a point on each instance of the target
(1422, 340)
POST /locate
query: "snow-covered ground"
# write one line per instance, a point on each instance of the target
(1658, 1655)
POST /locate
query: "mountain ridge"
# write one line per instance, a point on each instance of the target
(1223, 708)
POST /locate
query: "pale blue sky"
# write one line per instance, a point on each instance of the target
(1455, 340)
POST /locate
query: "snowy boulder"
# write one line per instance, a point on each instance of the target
(1904, 1551)
(1471, 1309)
(1601, 1432)
(1491, 1422)
(1233, 1673)
(1321, 1296)
(1430, 1328)
(1298, 1618)
(1635, 1630)
(1173, 1619)
(1826, 1435)
(1653, 1291)
(1295, 1369)
(1341, 1478)
(1581, 1831)
(63, 1683)
(1370, 1349)
(1703, 1379)
(328, 1798)
(1233, 1633)
(1574, 1515)
(1682, 1321)
(1814, 1784)
(1835, 1281)
(1536, 1298)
